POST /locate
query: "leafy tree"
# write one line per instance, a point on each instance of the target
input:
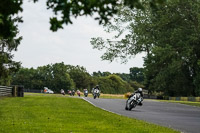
(175, 55)
(9, 39)
(53, 76)
(128, 41)
(80, 76)
(61, 79)
(137, 74)
(63, 10)
(22, 77)
(169, 36)
(101, 74)
(104, 10)
(135, 85)
(113, 84)
(124, 76)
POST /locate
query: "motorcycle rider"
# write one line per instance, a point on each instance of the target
(78, 93)
(139, 90)
(85, 92)
(62, 91)
(97, 87)
(73, 92)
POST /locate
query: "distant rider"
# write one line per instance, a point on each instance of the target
(73, 92)
(62, 91)
(78, 93)
(96, 87)
(98, 90)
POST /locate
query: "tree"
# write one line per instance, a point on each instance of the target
(101, 74)
(137, 74)
(175, 53)
(104, 9)
(124, 76)
(113, 84)
(23, 77)
(9, 39)
(61, 79)
(169, 36)
(63, 11)
(128, 41)
(80, 76)
(53, 76)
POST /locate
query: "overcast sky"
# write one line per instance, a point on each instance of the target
(70, 45)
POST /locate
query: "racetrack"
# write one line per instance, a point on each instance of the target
(181, 117)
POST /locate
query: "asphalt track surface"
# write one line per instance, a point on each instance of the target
(181, 117)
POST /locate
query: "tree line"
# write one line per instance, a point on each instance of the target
(60, 76)
(167, 31)
(10, 39)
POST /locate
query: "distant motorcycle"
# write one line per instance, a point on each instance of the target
(96, 93)
(78, 93)
(73, 92)
(62, 92)
(86, 93)
(133, 101)
(70, 92)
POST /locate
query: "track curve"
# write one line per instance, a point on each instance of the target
(181, 117)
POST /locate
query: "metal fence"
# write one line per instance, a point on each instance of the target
(33, 91)
(5, 91)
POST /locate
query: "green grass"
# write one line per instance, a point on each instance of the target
(197, 104)
(39, 113)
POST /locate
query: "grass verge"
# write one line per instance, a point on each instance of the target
(55, 113)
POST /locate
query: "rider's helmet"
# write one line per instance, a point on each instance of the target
(140, 89)
(97, 87)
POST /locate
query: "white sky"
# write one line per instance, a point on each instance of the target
(70, 45)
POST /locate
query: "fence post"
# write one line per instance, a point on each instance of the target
(14, 91)
(20, 91)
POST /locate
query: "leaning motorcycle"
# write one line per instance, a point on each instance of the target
(133, 101)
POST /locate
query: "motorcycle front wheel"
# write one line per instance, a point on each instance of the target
(132, 105)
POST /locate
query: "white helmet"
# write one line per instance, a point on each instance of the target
(140, 89)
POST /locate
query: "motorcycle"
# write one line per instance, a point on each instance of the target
(133, 101)
(86, 93)
(62, 92)
(70, 92)
(73, 92)
(96, 93)
(78, 93)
